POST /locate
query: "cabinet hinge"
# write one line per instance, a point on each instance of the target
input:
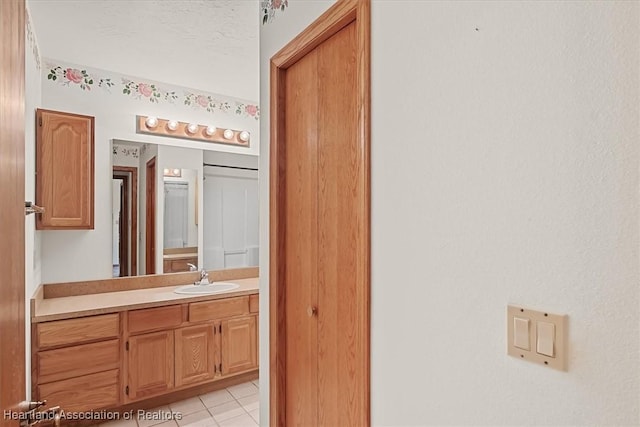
(220, 327)
(220, 368)
(215, 369)
(39, 121)
(126, 346)
(126, 390)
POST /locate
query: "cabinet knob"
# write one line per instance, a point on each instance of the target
(312, 311)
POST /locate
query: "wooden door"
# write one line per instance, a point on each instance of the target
(64, 170)
(150, 227)
(195, 354)
(130, 177)
(151, 364)
(12, 221)
(238, 350)
(320, 222)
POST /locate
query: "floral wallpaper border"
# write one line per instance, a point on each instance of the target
(269, 8)
(136, 88)
(31, 38)
(125, 151)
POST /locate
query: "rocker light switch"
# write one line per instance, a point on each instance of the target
(521, 333)
(537, 336)
(545, 339)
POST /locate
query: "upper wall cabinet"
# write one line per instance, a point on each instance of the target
(64, 170)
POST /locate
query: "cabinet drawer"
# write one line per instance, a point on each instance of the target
(253, 303)
(219, 309)
(154, 318)
(84, 393)
(74, 331)
(70, 362)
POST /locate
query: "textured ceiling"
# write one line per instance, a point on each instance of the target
(205, 44)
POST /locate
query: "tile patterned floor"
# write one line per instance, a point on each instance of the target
(235, 406)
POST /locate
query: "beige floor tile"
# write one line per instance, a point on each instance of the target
(255, 414)
(226, 411)
(198, 419)
(167, 424)
(216, 398)
(243, 420)
(188, 406)
(155, 416)
(251, 402)
(243, 390)
(120, 423)
(256, 383)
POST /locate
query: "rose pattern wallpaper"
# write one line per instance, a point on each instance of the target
(147, 91)
(85, 80)
(74, 76)
(269, 8)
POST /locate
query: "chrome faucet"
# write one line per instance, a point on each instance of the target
(204, 277)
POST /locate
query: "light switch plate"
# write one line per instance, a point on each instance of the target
(558, 361)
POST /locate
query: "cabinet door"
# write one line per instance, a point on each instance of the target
(151, 364)
(64, 170)
(238, 345)
(195, 354)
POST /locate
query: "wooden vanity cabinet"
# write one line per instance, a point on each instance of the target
(199, 342)
(77, 363)
(109, 360)
(64, 170)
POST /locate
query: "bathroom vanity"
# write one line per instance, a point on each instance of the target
(118, 349)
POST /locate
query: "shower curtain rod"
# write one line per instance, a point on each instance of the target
(230, 167)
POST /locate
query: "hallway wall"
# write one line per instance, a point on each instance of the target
(504, 170)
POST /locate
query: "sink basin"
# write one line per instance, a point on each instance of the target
(212, 288)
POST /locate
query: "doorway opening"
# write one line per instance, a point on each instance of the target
(125, 221)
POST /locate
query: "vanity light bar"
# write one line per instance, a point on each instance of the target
(175, 129)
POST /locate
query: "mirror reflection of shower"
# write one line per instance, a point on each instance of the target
(230, 217)
(180, 209)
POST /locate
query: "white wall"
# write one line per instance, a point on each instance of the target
(115, 118)
(504, 170)
(33, 93)
(273, 36)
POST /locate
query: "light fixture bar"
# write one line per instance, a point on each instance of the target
(184, 130)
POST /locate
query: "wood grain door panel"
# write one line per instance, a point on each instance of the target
(301, 240)
(238, 350)
(64, 165)
(12, 219)
(195, 354)
(319, 221)
(151, 364)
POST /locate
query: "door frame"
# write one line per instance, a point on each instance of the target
(150, 223)
(341, 14)
(130, 176)
(12, 216)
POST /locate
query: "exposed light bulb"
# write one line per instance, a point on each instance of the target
(210, 130)
(151, 122)
(192, 128)
(176, 172)
(166, 172)
(228, 134)
(172, 125)
(244, 136)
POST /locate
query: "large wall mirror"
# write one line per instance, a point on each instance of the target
(175, 208)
